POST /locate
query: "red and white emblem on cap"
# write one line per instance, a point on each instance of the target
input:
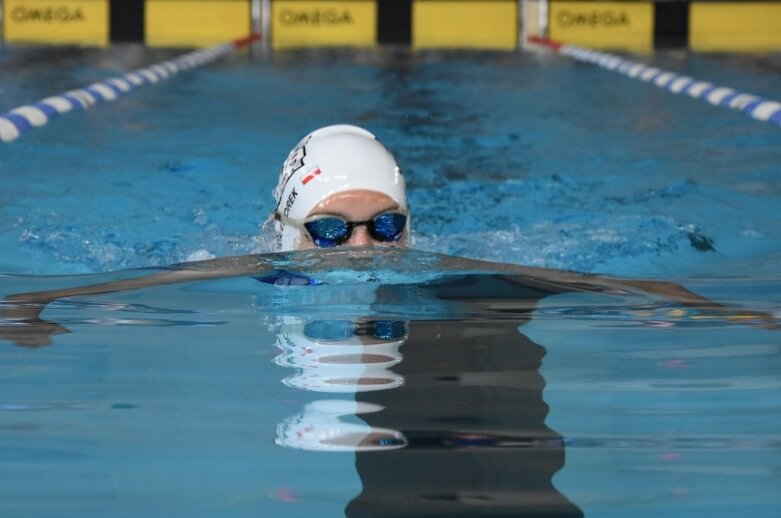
(308, 178)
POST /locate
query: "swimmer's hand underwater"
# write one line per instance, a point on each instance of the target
(21, 322)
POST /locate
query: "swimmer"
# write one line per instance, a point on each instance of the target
(339, 187)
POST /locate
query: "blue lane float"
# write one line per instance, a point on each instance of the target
(24, 118)
(752, 105)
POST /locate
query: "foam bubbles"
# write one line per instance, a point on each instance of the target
(200, 255)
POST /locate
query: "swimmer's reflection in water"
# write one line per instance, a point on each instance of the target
(471, 410)
(339, 357)
(454, 427)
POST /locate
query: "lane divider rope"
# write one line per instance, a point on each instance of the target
(15, 122)
(752, 105)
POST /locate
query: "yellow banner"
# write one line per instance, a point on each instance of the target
(738, 26)
(484, 24)
(80, 22)
(603, 25)
(297, 23)
(198, 23)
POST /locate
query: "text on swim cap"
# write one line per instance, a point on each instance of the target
(294, 162)
(291, 200)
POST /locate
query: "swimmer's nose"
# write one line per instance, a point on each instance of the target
(360, 237)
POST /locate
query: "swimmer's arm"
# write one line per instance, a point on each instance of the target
(575, 281)
(563, 281)
(705, 307)
(668, 290)
(27, 306)
(36, 300)
(22, 310)
(219, 268)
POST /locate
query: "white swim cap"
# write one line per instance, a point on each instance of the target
(319, 427)
(328, 161)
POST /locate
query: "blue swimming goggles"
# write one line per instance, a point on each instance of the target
(328, 231)
(344, 329)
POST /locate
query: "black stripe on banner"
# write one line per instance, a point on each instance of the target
(671, 24)
(394, 22)
(127, 20)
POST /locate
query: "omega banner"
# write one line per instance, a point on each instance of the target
(323, 23)
(603, 25)
(82, 22)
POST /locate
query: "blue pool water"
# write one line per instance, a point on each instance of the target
(210, 397)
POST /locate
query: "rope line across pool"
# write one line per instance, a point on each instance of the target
(24, 118)
(752, 105)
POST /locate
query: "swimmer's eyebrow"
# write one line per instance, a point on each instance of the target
(342, 216)
(394, 206)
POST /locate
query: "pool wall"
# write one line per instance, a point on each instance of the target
(635, 25)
